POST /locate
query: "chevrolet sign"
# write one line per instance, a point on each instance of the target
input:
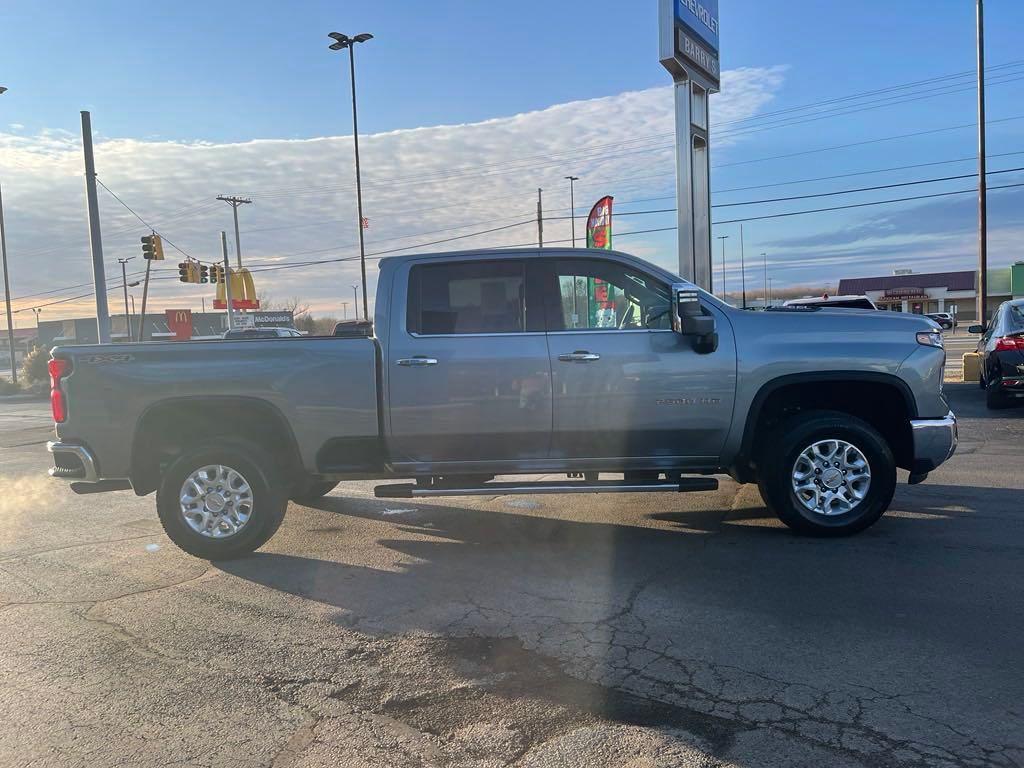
(689, 40)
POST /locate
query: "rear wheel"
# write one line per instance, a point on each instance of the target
(221, 501)
(827, 473)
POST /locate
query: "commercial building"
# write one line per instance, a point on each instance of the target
(927, 292)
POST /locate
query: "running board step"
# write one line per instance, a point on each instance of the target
(413, 491)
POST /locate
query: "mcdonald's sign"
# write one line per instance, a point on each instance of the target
(243, 291)
(179, 322)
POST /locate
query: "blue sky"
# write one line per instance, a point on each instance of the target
(227, 73)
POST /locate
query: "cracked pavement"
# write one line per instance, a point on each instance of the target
(634, 630)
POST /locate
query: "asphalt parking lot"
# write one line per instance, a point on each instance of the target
(647, 630)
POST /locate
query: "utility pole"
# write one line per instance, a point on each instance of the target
(540, 217)
(235, 202)
(770, 281)
(982, 175)
(344, 310)
(765, 257)
(99, 277)
(723, 238)
(743, 269)
(227, 274)
(572, 207)
(7, 295)
(124, 284)
(341, 42)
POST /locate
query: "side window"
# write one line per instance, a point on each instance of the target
(602, 295)
(467, 297)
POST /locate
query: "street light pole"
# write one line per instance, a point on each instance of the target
(723, 238)
(124, 284)
(340, 42)
(743, 269)
(572, 207)
(765, 257)
(7, 293)
(355, 299)
(982, 175)
(770, 281)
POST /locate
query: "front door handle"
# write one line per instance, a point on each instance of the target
(417, 362)
(579, 356)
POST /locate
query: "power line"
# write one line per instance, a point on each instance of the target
(145, 223)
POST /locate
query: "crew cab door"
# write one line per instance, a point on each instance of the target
(625, 384)
(467, 365)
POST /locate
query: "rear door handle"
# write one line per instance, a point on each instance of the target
(579, 356)
(417, 362)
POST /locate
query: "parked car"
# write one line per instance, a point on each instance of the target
(513, 362)
(261, 333)
(1002, 355)
(833, 302)
(944, 319)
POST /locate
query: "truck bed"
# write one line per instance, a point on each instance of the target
(325, 388)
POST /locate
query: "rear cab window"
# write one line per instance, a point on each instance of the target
(472, 297)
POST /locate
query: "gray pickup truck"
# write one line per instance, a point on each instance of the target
(512, 362)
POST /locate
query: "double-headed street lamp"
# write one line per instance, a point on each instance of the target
(340, 43)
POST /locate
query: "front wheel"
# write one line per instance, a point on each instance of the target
(827, 473)
(221, 500)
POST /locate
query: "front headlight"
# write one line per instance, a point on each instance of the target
(930, 338)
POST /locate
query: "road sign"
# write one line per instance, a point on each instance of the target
(689, 41)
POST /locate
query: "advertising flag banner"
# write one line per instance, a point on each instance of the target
(599, 224)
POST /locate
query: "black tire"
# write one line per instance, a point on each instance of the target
(269, 500)
(800, 432)
(310, 490)
(994, 399)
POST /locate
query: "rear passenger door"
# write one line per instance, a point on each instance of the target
(468, 374)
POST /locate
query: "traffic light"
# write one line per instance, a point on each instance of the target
(153, 248)
(204, 274)
(184, 272)
(215, 277)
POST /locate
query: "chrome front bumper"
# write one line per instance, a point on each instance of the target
(935, 441)
(72, 462)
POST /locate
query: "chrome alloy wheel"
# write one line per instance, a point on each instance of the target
(216, 501)
(831, 477)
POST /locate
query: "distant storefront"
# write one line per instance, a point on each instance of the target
(169, 325)
(928, 292)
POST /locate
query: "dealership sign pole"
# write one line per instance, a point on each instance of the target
(689, 51)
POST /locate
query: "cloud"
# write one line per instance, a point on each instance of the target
(932, 236)
(16, 126)
(420, 185)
